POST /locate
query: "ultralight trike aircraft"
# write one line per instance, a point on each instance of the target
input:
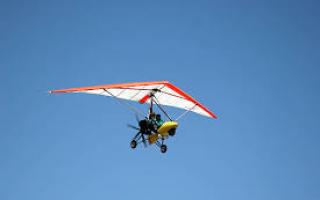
(153, 93)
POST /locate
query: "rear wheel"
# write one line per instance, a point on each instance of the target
(133, 144)
(163, 148)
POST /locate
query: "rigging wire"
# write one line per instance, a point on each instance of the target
(185, 112)
(135, 110)
(157, 103)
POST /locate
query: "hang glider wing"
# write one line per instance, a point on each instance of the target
(164, 92)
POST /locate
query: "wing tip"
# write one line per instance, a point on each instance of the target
(55, 91)
(181, 92)
(211, 114)
(214, 116)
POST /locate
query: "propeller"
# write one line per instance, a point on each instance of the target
(144, 141)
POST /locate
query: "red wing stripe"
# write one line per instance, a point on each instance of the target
(144, 99)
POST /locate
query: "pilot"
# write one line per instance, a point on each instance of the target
(159, 121)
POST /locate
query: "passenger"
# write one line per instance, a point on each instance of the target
(159, 121)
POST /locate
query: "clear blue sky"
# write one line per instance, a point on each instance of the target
(254, 63)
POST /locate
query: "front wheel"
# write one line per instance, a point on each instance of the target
(133, 144)
(163, 148)
(172, 132)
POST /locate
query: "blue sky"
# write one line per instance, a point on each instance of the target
(254, 63)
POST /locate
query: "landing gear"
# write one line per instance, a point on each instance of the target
(133, 144)
(163, 148)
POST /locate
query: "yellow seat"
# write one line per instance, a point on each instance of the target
(153, 138)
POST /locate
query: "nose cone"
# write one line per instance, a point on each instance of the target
(174, 124)
(167, 126)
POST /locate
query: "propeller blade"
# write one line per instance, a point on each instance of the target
(137, 118)
(144, 141)
(133, 127)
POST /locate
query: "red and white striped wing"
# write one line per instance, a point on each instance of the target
(165, 92)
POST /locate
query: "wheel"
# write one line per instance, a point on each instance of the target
(133, 144)
(172, 132)
(163, 148)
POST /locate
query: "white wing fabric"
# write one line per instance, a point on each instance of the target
(164, 92)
